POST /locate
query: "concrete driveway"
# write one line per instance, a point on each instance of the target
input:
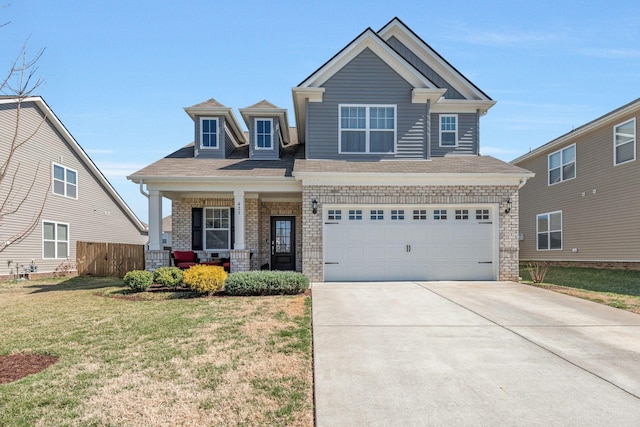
(471, 353)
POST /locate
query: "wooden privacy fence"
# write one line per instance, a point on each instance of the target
(108, 259)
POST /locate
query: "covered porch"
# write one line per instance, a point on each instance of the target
(255, 228)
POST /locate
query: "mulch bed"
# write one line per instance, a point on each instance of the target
(16, 366)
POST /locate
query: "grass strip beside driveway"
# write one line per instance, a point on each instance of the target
(197, 361)
(616, 288)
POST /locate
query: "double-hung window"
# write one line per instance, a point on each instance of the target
(562, 165)
(367, 129)
(624, 142)
(217, 228)
(264, 134)
(448, 130)
(55, 240)
(208, 132)
(65, 181)
(549, 231)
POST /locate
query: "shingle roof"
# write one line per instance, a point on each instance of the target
(182, 164)
(448, 164)
(263, 104)
(208, 103)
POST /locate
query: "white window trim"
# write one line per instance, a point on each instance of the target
(575, 164)
(635, 138)
(367, 129)
(217, 146)
(441, 116)
(549, 231)
(255, 133)
(204, 228)
(56, 241)
(53, 179)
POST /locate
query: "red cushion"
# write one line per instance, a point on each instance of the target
(185, 264)
(184, 256)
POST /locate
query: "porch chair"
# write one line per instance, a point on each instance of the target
(184, 259)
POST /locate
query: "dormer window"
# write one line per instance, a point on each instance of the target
(208, 132)
(264, 134)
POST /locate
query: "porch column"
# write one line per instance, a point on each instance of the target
(239, 220)
(155, 220)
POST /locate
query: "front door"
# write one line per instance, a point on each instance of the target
(283, 243)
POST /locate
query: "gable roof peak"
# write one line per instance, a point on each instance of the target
(412, 41)
(262, 104)
(211, 102)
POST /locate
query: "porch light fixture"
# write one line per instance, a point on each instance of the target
(314, 206)
(508, 209)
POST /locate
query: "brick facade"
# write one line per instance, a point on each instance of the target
(257, 228)
(312, 264)
(309, 254)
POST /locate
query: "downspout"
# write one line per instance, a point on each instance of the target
(144, 193)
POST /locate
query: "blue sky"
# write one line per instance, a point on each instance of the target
(118, 73)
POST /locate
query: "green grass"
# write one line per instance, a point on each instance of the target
(159, 360)
(623, 282)
(617, 288)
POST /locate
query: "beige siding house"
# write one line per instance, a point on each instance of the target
(66, 194)
(583, 205)
(381, 178)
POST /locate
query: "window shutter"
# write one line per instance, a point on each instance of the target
(233, 227)
(196, 229)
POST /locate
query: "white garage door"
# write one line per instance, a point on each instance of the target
(410, 243)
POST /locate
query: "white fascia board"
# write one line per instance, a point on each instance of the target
(422, 96)
(461, 106)
(608, 119)
(84, 157)
(432, 59)
(222, 184)
(371, 40)
(300, 97)
(410, 180)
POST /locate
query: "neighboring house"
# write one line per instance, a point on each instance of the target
(166, 231)
(68, 196)
(381, 179)
(582, 206)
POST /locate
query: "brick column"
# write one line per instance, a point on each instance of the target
(156, 259)
(240, 260)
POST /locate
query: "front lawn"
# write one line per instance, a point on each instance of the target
(161, 361)
(617, 288)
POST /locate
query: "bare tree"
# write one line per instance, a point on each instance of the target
(19, 84)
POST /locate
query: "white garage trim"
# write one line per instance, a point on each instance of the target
(425, 246)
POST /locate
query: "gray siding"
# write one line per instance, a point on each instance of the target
(366, 80)
(407, 54)
(210, 153)
(467, 135)
(94, 216)
(604, 226)
(274, 152)
(229, 147)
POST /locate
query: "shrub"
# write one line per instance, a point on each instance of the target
(537, 270)
(266, 283)
(138, 280)
(168, 276)
(205, 279)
